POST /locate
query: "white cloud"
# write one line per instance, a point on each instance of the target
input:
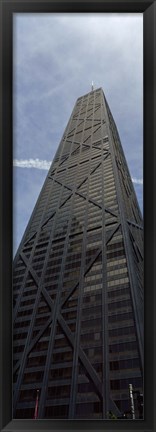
(32, 163)
(137, 181)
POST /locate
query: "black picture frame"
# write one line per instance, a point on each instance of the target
(7, 8)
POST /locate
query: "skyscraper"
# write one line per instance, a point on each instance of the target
(78, 279)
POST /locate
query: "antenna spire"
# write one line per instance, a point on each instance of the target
(92, 86)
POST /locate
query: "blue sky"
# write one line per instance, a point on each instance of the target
(56, 57)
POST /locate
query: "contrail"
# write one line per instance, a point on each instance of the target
(137, 181)
(32, 163)
(45, 165)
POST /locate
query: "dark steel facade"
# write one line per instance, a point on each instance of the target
(78, 279)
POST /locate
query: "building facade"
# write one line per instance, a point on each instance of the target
(78, 279)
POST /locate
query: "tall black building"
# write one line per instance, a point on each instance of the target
(78, 279)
